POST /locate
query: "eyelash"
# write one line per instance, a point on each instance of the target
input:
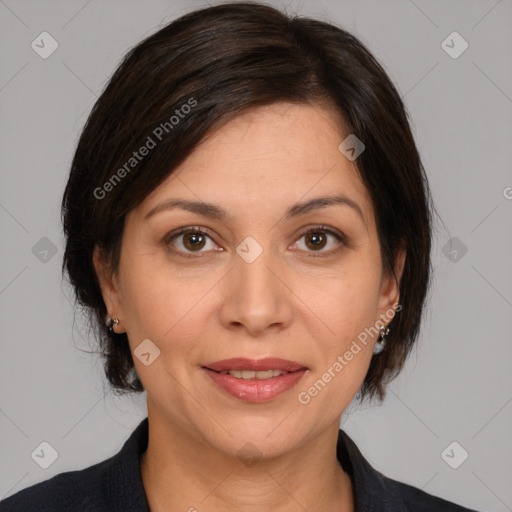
(200, 231)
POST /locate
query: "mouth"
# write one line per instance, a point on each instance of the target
(255, 380)
(251, 374)
(254, 365)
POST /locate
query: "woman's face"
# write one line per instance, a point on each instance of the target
(255, 286)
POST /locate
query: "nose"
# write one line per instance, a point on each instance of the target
(256, 298)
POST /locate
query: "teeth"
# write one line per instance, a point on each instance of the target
(250, 374)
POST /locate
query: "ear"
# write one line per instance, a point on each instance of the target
(108, 282)
(390, 287)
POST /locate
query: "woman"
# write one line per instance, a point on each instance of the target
(248, 221)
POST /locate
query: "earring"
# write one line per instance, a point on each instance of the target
(113, 321)
(379, 346)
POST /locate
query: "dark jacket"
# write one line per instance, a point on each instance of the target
(115, 485)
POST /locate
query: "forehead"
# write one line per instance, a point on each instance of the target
(267, 158)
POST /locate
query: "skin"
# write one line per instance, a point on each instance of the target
(294, 301)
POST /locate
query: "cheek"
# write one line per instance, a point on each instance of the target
(344, 302)
(346, 349)
(166, 306)
(158, 306)
(344, 312)
(170, 313)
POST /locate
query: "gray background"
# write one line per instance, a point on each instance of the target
(457, 385)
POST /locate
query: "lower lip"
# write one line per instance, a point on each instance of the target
(254, 390)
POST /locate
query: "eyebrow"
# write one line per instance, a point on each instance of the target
(216, 212)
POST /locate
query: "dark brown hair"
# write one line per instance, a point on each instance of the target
(221, 61)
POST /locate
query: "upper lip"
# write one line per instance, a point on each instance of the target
(241, 363)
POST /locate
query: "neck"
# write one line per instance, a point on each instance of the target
(190, 475)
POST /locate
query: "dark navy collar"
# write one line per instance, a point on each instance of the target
(125, 473)
(373, 492)
(115, 485)
(371, 488)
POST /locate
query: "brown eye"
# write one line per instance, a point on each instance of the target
(193, 241)
(317, 239)
(189, 240)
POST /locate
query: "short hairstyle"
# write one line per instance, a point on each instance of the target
(194, 75)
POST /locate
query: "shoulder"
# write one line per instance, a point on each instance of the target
(374, 491)
(113, 484)
(417, 500)
(83, 490)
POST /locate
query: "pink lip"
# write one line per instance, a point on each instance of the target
(241, 363)
(254, 390)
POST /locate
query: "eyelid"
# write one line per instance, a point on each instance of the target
(204, 231)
